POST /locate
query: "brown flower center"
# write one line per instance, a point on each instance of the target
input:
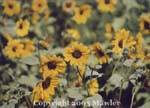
(100, 53)
(51, 65)
(14, 49)
(40, 5)
(146, 25)
(107, 1)
(120, 44)
(77, 54)
(46, 83)
(10, 6)
(68, 5)
(21, 26)
(81, 11)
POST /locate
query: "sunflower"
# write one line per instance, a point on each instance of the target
(100, 54)
(137, 51)
(22, 27)
(121, 41)
(11, 7)
(39, 5)
(28, 48)
(106, 5)
(68, 5)
(147, 53)
(82, 14)
(52, 65)
(48, 85)
(38, 95)
(73, 33)
(145, 23)
(77, 54)
(14, 49)
(93, 86)
(108, 31)
(35, 18)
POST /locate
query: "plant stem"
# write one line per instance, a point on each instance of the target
(135, 89)
(120, 90)
(79, 72)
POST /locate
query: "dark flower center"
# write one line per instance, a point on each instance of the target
(51, 65)
(146, 25)
(68, 5)
(39, 5)
(77, 54)
(120, 44)
(10, 6)
(107, 1)
(81, 11)
(100, 53)
(21, 26)
(14, 49)
(46, 83)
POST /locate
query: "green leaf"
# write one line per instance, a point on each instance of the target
(28, 80)
(74, 93)
(32, 60)
(146, 105)
(118, 23)
(130, 4)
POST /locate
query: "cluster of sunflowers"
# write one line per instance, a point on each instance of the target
(120, 49)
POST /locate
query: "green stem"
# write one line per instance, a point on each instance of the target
(79, 72)
(120, 93)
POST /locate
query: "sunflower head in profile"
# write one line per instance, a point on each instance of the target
(93, 86)
(121, 41)
(68, 5)
(39, 5)
(49, 84)
(14, 49)
(38, 95)
(77, 54)
(22, 27)
(145, 23)
(11, 7)
(100, 54)
(73, 33)
(28, 48)
(52, 65)
(81, 14)
(106, 5)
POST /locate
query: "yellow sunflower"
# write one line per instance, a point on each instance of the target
(121, 41)
(82, 14)
(52, 65)
(100, 54)
(145, 23)
(73, 33)
(28, 48)
(137, 51)
(93, 86)
(14, 49)
(147, 53)
(77, 54)
(39, 5)
(106, 5)
(22, 27)
(38, 95)
(11, 7)
(35, 18)
(49, 84)
(68, 5)
(108, 31)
